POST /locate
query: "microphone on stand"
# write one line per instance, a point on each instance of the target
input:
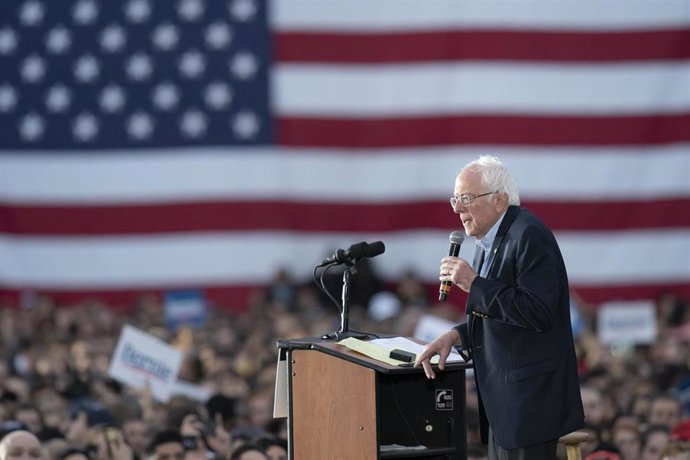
(456, 238)
(348, 257)
(353, 253)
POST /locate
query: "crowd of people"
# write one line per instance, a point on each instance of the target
(57, 400)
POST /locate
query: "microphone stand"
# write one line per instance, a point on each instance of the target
(344, 332)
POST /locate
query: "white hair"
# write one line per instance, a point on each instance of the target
(9, 437)
(496, 177)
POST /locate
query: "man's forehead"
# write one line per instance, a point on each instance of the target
(169, 446)
(467, 180)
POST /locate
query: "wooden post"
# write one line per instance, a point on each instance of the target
(572, 444)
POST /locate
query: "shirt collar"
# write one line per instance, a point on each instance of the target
(488, 240)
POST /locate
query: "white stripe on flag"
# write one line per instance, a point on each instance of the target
(108, 262)
(406, 15)
(323, 175)
(476, 88)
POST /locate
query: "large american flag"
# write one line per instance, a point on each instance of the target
(151, 145)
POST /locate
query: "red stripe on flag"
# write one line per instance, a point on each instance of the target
(322, 217)
(597, 294)
(484, 45)
(484, 130)
(622, 215)
(230, 297)
(236, 297)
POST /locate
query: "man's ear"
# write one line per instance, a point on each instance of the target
(501, 201)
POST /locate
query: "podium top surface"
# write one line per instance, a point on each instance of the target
(340, 351)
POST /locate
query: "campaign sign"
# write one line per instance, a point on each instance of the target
(191, 391)
(141, 359)
(627, 322)
(184, 308)
(683, 393)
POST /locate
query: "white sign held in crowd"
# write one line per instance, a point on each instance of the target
(140, 359)
(630, 323)
(429, 327)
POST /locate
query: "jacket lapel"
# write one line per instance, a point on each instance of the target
(511, 214)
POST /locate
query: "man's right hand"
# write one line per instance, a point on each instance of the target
(441, 346)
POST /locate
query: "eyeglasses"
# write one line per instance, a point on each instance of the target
(467, 199)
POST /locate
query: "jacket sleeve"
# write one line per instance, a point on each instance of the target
(465, 347)
(527, 291)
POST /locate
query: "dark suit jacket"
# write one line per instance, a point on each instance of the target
(519, 336)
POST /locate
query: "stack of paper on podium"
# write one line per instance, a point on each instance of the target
(380, 349)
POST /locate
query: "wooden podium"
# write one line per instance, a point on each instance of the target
(345, 405)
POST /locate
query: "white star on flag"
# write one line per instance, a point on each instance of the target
(244, 65)
(243, 10)
(218, 95)
(8, 98)
(192, 64)
(58, 40)
(218, 35)
(140, 126)
(245, 124)
(85, 127)
(85, 12)
(138, 11)
(139, 67)
(33, 69)
(87, 69)
(112, 99)
(165, 96)
(31, 13)
(113, 38)
(191, 10)
(165, 37)
(8, 41)
(193, 123)
(31, 127)
(58, 98)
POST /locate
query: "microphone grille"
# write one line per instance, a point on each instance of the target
(359, 250)
(376, 248)
(457, 237)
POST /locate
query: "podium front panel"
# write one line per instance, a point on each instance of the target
(333, 408)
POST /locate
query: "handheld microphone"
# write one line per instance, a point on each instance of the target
(354, 252)
(456, 238)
